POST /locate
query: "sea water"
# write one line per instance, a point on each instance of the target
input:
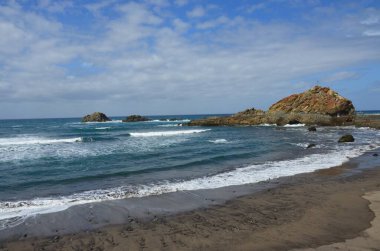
(48, 165)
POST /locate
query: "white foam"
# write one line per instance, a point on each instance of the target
(170, 125)
(294, 125)
(219, 141)
(14, 211)
(267, 124)
(166, 133)
(35, 140)
(94, 122)
(103, 128)
(168, 120)
(305, 145)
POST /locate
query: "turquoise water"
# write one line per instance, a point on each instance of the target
(48, 165)
(371, 112)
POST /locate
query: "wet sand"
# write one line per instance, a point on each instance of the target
(367, 240)
(304, 211)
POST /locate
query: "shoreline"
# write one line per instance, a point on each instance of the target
(209, 213)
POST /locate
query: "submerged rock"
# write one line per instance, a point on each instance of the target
(135, 118)
(96, 117)
(346, 138)
(311, 146)
(319, 100)
(312, 129)
(294, 122)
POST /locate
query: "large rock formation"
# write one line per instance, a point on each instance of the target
(96, 117)
(317, 106)
(135, 118)
(318, 100)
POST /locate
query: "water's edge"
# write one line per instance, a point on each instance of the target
(92, 216)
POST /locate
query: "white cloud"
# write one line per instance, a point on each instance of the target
(159, 3)
(181, 2)
(55, 6)
(255, 7)
(180, 25)
(371, 33)
(197, 12)
(370, 20)
(339, 76)
(96, 7)
(140, 55)
(213, 23)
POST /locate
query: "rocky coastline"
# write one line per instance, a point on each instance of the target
(319, 106)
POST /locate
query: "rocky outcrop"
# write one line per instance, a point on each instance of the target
(319, 100)
(346, 138)
(311, 146)
(135, 118)
(317, 106)
(278, 118)
(96, 117)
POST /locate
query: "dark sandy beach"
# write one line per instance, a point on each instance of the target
(304, 211)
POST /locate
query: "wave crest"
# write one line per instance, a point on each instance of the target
(36, 140)
(166, 133)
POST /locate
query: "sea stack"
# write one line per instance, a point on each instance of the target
(135, 118)
(318, 106)
(96, 117)
(317, 100)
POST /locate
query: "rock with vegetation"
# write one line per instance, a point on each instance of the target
(317, 106)
(318, 100)
(96, 117)
(346, 138)
(135, 118)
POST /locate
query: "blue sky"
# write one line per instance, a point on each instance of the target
(70, 58)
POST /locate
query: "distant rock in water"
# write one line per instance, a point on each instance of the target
(346, 138)
(135, 118)
(96, 117)
(312, 129)
(318, 100)
(311, 146)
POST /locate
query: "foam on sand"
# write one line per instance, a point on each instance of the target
(166, 133)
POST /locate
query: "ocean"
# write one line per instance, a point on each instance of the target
(48, 165)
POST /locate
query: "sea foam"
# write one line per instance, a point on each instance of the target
(294, 125)
(166, 133)
(218, 141)
(35, 140)
(12, 211)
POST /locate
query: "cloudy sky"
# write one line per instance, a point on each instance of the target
(68, 58)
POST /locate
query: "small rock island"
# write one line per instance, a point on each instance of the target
(135, 118)
(96, 117)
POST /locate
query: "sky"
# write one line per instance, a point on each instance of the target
(68, 58)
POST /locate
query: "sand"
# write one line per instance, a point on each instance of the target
(368, 239)
(324, 210)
